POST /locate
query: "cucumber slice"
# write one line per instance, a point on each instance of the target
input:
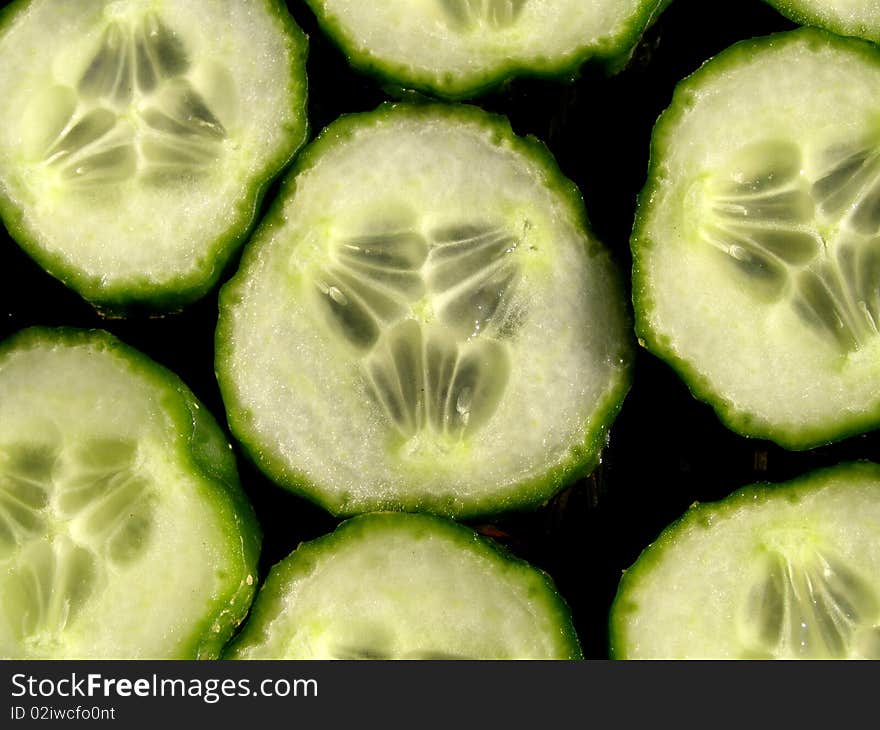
(398, 586)
(117, 488)
(787, 571)
(459, 48)
(846, 17)
(423, 322)
(136, 137)
(756, 259)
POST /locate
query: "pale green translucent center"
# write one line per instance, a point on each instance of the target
(68, 512)
(802, 227)
(808, 604)
(465, 15)
(134, 113)
(427, 315)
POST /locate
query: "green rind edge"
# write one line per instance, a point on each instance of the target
(613, 56)
(758, 493)
(792, 438)
(140, 293)
(221, 484)
(792, 10)
(523, 495)
(300, 562)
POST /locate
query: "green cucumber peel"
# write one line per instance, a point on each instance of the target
(94, 507)
(844, 17)
(782, 571)
(272, 456)
(405, 586)
(779, 284)
(611, 49)
(119, 147)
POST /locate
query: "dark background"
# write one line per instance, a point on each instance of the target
(666, 450)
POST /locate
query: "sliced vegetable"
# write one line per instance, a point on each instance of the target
(136, 138)
(423, 322)
(847, 17)
(757, 243)
(397, 586)
(785, 571)
(459, 48)
(124, 532)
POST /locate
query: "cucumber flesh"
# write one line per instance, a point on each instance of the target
(459, 48)
(756, 266)
(424, 288)
(106, 503)
(859, 18)
(397, 586)
(787, 571)
(136, 137)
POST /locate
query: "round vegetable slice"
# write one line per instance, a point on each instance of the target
(756, 259)
(116, 487)
(459, 48)
(423, 322)
(847, 17)
(399, 586)
(136, 138)
(787, 571)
